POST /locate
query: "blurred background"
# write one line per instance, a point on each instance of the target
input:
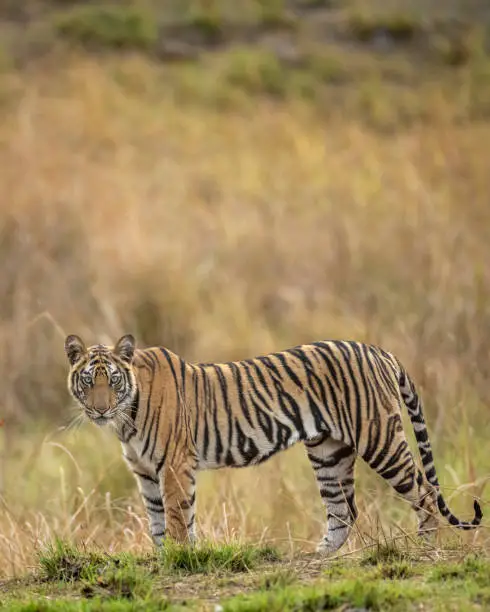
(229, 178)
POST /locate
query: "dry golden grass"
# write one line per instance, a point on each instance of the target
(226, 234)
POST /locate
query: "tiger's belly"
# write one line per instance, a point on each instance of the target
(246, 446)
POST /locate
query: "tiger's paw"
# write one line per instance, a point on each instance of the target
(158, 540)
(328, 546)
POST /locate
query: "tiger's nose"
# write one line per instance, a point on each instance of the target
(102, 409)
(101, 399)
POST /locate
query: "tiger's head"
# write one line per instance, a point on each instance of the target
(101, 378)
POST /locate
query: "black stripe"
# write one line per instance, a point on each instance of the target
(264, 387)
(260, 375)
(382, 369)
(235, 371)
(135, 405)
(368, 373)
(165, 451)
(247, 454)
(316, 386)
(145, 477)
(363, 379)
(168, 358)
(289, 370)
(389, 435)
(155, 434)
(314, 381)
(342, 397)
(373, 439)
(286, 399)
(227, 409)
(318, 418)
(148, 435)
(197, 377)
(283, 436)
(357, 402)
(263, 418)
(156, 501)
(324, 351)
(270, 366)
(152, 365)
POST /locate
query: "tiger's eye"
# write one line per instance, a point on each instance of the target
(115, 378)
(86, 379)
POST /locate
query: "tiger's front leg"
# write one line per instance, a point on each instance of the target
(151, 492)
(179, 486)
(149, 488)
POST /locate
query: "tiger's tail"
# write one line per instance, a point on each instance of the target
(414, 406)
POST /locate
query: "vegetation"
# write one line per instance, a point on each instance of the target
(305, 170)
(392, 67)
(127, 582)
(373, 592)
(108, 26)
(400, 28)
(209, 558)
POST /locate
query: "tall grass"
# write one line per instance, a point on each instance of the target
(222, 235)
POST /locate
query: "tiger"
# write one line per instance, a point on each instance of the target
(341, 398)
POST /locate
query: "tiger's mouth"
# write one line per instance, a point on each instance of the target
(112, 415)
(101, 419)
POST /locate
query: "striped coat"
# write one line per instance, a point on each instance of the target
(342, 399)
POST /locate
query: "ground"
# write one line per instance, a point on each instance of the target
(246, 578)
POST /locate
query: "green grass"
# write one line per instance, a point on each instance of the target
(117, 576)
(471, 568)
(209, 24)
(314, 4)
(128, 582)
(61, 561)
(268, 51)
(107, 26)
(280, 578)
(207, 558)
(274, 14)
(96, 605)
(244, 578)
(391, 586)
(261, 72)
(384, 553)
(241, 578)
(355, 593)
(399, 27)
(465, 46)
(256, 72)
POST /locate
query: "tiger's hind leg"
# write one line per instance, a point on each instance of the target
(333, 463)
(392, 459)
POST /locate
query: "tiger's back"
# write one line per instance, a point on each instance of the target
(341, 398)
(249, 410)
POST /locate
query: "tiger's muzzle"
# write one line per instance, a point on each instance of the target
(101, 400)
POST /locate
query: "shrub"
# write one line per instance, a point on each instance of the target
(108, 26)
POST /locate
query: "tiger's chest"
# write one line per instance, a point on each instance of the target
(139, 453)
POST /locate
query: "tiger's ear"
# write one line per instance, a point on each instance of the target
(124, 348)
(74, 348)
